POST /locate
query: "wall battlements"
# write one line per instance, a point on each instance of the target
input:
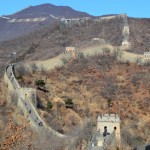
(108, 118)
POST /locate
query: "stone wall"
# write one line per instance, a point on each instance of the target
(126, 32)
(64, 22)
(27, 102)
(30, 94)
(8, 89)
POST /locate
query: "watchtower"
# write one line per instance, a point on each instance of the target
(72, 51)
(65, 22)
(14, 56)
(109, 124)
(146, 57)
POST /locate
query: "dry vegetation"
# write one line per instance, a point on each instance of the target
(97, 85)
(139, 35)
(15, 132)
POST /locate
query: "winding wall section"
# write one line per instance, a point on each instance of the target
(25, 103)
(26, 96)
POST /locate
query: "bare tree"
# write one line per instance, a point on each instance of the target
(110, 88)
(48, 141)
(20, 69)
(82, 134)
(34, 67)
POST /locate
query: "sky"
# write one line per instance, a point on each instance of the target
(133, 8)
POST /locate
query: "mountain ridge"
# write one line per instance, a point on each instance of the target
(48, 38)
(33, 18)
(52, 9)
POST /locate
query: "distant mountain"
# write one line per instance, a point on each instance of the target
(47, 10)
(34, 17)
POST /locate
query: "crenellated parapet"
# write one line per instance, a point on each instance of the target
(146, 57)
(15, 20)
(68, 22)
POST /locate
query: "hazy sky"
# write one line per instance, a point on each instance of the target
(134, 8)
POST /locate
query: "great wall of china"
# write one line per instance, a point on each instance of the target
(27, 96)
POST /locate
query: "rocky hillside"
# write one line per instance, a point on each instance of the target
(139, 34)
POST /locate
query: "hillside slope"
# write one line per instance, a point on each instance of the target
(51, 41)
(140, 34)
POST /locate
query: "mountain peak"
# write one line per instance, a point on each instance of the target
(47, 9)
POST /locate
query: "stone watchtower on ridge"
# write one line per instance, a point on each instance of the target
(73, 53)
(108, 127)
(107, 134)
(146, 57)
